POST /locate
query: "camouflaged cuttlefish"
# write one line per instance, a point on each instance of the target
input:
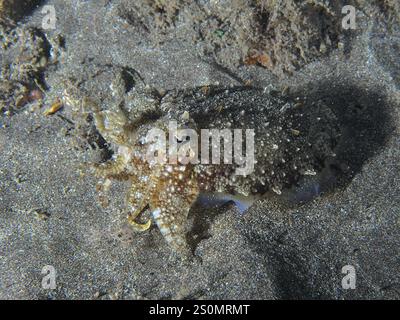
(290, 139)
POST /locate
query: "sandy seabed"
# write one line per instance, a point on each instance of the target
(49, 213)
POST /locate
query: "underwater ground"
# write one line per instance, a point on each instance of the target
(281, 247)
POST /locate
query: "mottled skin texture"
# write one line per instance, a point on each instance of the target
(292, 140)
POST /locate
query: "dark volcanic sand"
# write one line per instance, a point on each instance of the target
(49, 213)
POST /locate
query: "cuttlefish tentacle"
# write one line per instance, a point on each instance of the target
(113, 167)
(170, 205)
(138, 200)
